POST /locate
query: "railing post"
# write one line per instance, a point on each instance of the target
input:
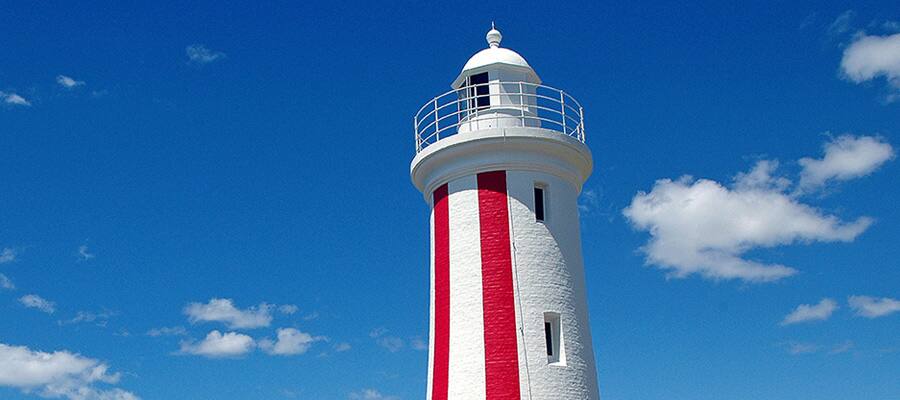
(562, 103)
(581, 123)
(522, 102)
(437, 129)
(416, 133)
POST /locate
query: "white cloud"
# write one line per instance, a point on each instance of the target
(223, 310)
(84, 254)
(68, 82)
(810, 312)
(7, 255)
(702, 227)
(5, 283)
(217, 345)
(13, 99)
(38, 302)
(872, 57)
(58, 374)
(871, 307)
(370, 394)
(288, 309)
(290, 342)
(846, 157)
(167, 331)
(199, 54)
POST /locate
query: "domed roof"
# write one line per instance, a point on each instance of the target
(494, 55)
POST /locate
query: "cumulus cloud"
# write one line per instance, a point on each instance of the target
(370, 394)
(391, 343)
(223, 310)
(873, 57)
(167, 331)
(60, 374)
(13, 99)
(7, 255)
(418, 343)
(290, 342)
(199, 54)
(68, 82)
(38, 302)
(702, 227)
(5, 283)
(846, 157)
(218, 345)
(811, 312)
(872, 307)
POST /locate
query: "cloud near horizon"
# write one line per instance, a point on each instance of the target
(60, 374)
(700, 226)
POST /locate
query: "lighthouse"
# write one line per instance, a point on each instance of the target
(501, 159)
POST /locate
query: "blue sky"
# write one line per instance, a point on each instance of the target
(212, 201)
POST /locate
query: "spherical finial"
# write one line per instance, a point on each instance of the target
(494, 37)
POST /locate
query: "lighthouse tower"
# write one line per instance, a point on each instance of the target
(501, 159)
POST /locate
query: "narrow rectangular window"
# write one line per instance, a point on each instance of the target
(479, 96)
(548, 335)
(554, 339)
(538, 203)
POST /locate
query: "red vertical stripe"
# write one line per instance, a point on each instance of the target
(441, 294)
(501, 357)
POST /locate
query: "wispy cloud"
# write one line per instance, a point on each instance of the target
(7, 255)
(68, 82)
(5, 283)
(167, 331)
(873, 307)
(13, 99)
(290, 341)
(796, 348)
(218, 345)
(288, 309)
(223, 310)
(38, 302)
(58, 374)
(199, 54)
(370, 394)
(84, 254)
(811, 312)
(842, 24)
(341, 347)
(100, 318)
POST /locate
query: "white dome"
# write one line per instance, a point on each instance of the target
(495, 55)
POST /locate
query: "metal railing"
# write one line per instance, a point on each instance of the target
(495, 105)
